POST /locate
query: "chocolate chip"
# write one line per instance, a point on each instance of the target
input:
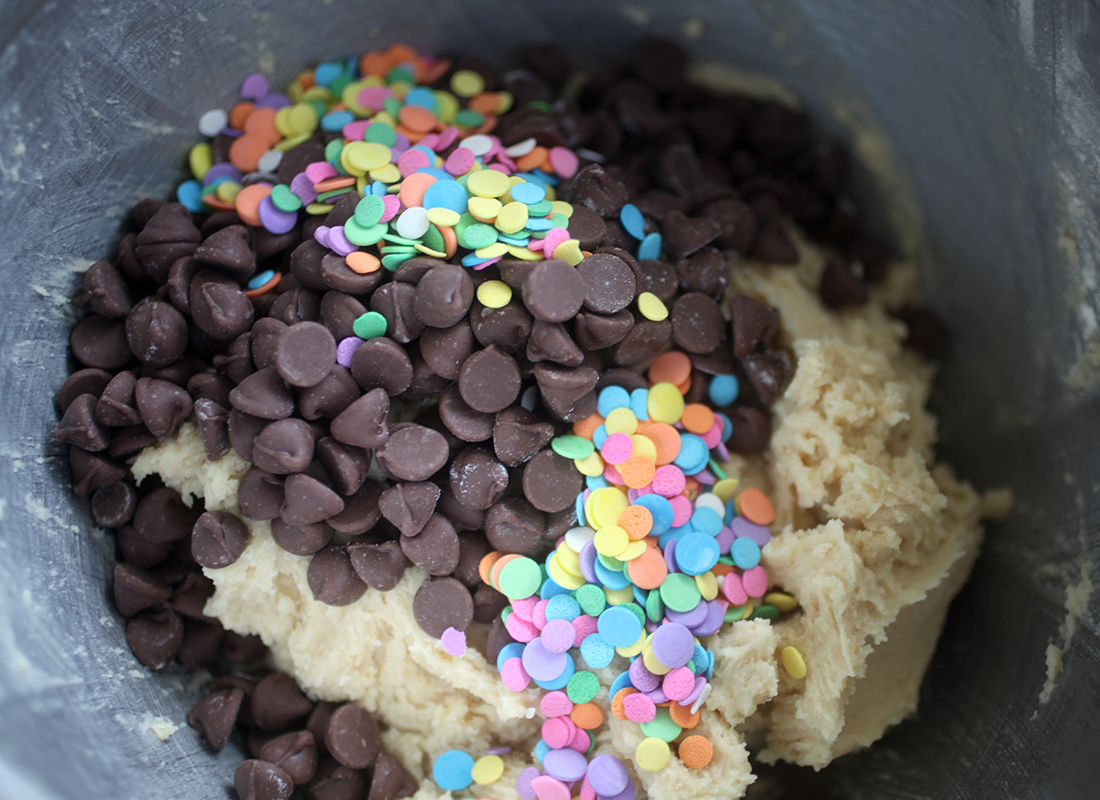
(363, 423)
(91, 471)
(156, 332)
(113, 505)
(189, 598)
(105, 291)
(550, 341)
(180, 275)
(307, 500)
(201, 644)
(218, 306)
(645, 341)
(751, 430)
(139, 551)
(382, 363)
(334, 781)
(79, 426)
(101, 343)
(162, 405)
(305, 354)
(213, 423)
(295, 753)
(236, 361)
(380, 566)
(506, 327)
(708, 271)
(551, 482)
(515, 526)
(562, 387)
(599, 191)
(261, 780)
(263, 394)
(841, 284)
(332, 579)
(264, 340)
(767, 372)
(461, 420)
(489, 380)
(214, 716)
(497, 640)
(167, 236)
(301, 540)
(443, 296)
(352, 736)
(328, 398)
(390, 780)
(685, 235)
(442, 603)
(155, 637)
(395, 302)
(409, 506)
(218, 539)
(129, 440)
(339, 312)
(84, 381)
(518, 435)
(477, 479)
(277, 703)
(346, 466)
(774, 244)
(360, 512)
(305, 264)
(609, 283)
(488, 603)
(136, 590)
(413, 453)
(698, 324)
(435, 548)
(926, 332)
(753, 324)
(472, 547)
(587, 227)
(444, 349)
(553, 291)
(283, 447)
(228, 250)
(115, 407)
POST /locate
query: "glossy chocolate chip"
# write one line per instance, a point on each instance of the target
(409, 506)
(283, 447)
(645, 341)
(277, 703)
(395, 302)
(489, 380)
(445, 349)
(218, 539)
(553, 290)
(515, 526)
(842, 284)
(478, 479)
(360, 512)
(295, 753)
(334, 781)
(382, 363)
(156, 332)
(162, 516)
(228, 250)
(345, 465)
(92, 471)
(352, 736)
(389, 779)
(599, 191)
(80, 427)
(218, 306)
(363, 423)
(328, 398)
(551, 482)
(698, 324)
(215, 715)
(135, 589)
(413, 453)
(380, 566)
(435, 549)
(609, 283)
(587, 227)
(462, 421)
(443, 296)
(307, 500)
(261, 780)
(105, 291)
(550, 341)
(155, 637)
(519, 434)
(163, 406)
(305, 354)
(332, 579)
(442, 603)
(506, 327)
(261, 494)
(263, 394)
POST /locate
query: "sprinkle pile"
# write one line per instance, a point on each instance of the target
(666, 552)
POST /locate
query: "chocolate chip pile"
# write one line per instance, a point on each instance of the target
(431, 447)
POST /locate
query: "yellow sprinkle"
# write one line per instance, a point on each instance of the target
(227, 191)
(201, 158)
(292, 142)
(592, 465)
(634, 649)
(568, 560)
(665, 403)
(726, 489)
(793, 663)
(488, 769)
(446, 106)
(443, 216)
(555, 570)
(523, 254)
(562, 207)
(318, 208)
(643, 446)
(484, 209)
(651, 307)
(569, 251)
(317, 92)
(633, 550)
(607, 504)
(350, 98)
(653, 665)
(488, 183)
(781, 600)
(400, 89)
(366, 156)
(652, 754)
(611, 540)
(467, 83)
(423, 248)
(512, 218)
(616, 597)
(387, 174)
(621, 420)
(708, 585)
(301, 118)
(280, 120)
(492, 251)
(506, 99)
(492, 294)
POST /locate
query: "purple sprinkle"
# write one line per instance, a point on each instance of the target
(346, 349)
(652, 627)
(224, 170)
(691, 618)
(673, 645)
(642, 679)
(232, 133)
(566, 765)
(543, 664)
(712, 623)
(587, 558)
(670, 556)
(722, 453)
(625, 794)
(321, 235)
(302, 186)
(760, 534)
(498, 751)
(255, 86)
(705, 476)
(607, 775)
(658, 696)
(725, 539)
(633, 494)
(454, 642)
(523, 783)
(274, 100)
(338, 242)
(275, 220)
(400, 144)
(700, 684)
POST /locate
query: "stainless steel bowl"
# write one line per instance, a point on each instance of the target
(986, 114)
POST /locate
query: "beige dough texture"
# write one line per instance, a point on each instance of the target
(871, 536)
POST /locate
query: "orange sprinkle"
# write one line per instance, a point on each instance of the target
(417, 118)
(261, 122)
(267, 287)
(410, 134)
(682, 715)
(617, 701)
(213, 201)
(666, 439)
(329, 184)
(485, 103)
(413, 188)
(362, 262)
(684, 386)
(721, 569)
(450, 239)
(501, 563)
(696, 751)
(691, 485)
(487, 126)
(430, 74)
(670, 367)
(637, 472)
(401, 53)
(533, 160)
(637, 521)
(486, 564)
(375, 63)
(239, 114)
(754, 505)
(649, 570)
(245, 152)
(587, 716)
(586, 427)
(248, 201)
(697, 418)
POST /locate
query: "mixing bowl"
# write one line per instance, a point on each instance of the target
(977, 126)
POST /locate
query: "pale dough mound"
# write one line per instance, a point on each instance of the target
(871, 537)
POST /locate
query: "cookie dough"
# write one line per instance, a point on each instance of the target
(873, 537)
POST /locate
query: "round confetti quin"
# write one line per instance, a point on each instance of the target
(453, 771)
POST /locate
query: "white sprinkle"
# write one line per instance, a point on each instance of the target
(212, 122)
(702, 698)
(521, 148)
(589, 155)
(578, 537)
(270, 161)
(711, 501)
(413, 223)
(479, 144)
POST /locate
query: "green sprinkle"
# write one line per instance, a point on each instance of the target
(717, 469)
(392, 261)
(399, 249)
(284, 199)
(655, 607)
(574, 447)
(727, 560)
(467, 118)
(582, 687)
(541, 105)
(734, 613)
(324, 196)
(592, 599)
(400, 74)
(520, 578)
(680, 592)
(369, 211)
(611, 563)
(662, 727)
(339, 84)
(333, 148)
(765, 611)
(392, 106)
(540, 209)
(433, 239)
(364, 236)
(369, 325)
(476, 236)
(401, 240)
(380, 133)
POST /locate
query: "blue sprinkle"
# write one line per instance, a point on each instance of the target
(640, 596)
(611, 398)
(324, 74)
(453, 770)
(422, 96)
(595, 482)
(727, 427)
(599, 436)
(580, 509)
(638, 400)
(745, 553)
(560, 681)
(512, 240)
(446, 194)
(541, 750)
(538, 224)
(700, 659)
(261, 279)
(622, 681)
(189, 193)
(596, 652)
(693, 454)
(632, 219)
(610, 578)
(650, 248)
(472, 259)
(334, 121)
(723, 390)
(439, 174)
(563, 607)
(660, 509)
(528, 193)
(531, 177)
(619, 627)
(429, 153)
(710, 665)
(546, 177)
(731, 512)
(551, 589)
(706, 520)
(511, 650)
(669, 536)
(696, 553)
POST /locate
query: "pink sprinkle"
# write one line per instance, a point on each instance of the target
(681, 510)
(320, 170)
(581, 741)
(678, 683)
(454, 642)
(430, 141)
(668, 480)
(374, 97)
(564, 161)
(755, 581)
(587, 792)
(547, 788)
(400, 144)
(538, 614)
(459, 162)
(639, 708)
(617, 449)
(513, 674)
(536, 245)
(556, 704)
(553, 238)
(586, 626)
(733, 590)
(393, 206)
(612, 476)
(633, 494)
(520, 630)
(489, 263)
(412, 160)
(499, 168)
(346, 349)
(355, 131)
(700, 684)
(714, 435)
(525, 607)
(558, 635)
(446, 139)
(506, 162)
(558, 732)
